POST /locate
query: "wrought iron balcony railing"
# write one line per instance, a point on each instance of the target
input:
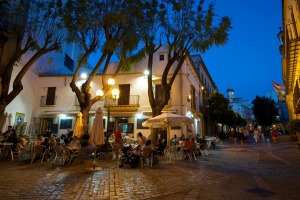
(48, 101)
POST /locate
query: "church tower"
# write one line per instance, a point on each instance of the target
(230, 95)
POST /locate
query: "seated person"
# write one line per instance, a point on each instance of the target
(69, 134)
(46, 144)
(118, 136)
(175, 140)
(39, 140)
(65, 139)
(75, 144)
(148, 145)
(142, 140)
(11, 135)
(202, 143)
(22, 141)
(187, 144)
(53, 140)
(160, 147)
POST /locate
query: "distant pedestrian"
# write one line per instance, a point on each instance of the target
(233, 135)
(241, 136)
(247, 134)
(256, 134)
(274, 135)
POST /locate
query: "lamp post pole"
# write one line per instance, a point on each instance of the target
(113, 95)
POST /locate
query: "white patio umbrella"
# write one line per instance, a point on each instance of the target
(9, 120)
(97, 134)
(78, 130)
(4, 123)
(167, 120)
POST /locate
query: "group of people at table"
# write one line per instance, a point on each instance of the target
(182, 144)
(50, 143)
(72, 142)
(10, 139)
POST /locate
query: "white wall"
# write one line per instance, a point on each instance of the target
(25, 101)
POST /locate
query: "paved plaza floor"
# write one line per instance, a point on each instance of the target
(255, 171)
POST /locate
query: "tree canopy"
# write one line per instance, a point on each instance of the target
(28, 30)
(107, 28)
(183, 27)
(264, 110)
(219, 109)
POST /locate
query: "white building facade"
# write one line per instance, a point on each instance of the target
(50, 105)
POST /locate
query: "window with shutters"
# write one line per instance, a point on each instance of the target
(193, 98)
(161, 57)
(50, 98)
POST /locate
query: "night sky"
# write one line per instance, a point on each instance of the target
(250, 60)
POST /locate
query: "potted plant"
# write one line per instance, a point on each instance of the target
(293, 127)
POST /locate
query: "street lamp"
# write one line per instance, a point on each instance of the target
(280, 37)
(111, 98)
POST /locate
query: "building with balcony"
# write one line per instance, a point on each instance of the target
(290, 49)
(50, 105)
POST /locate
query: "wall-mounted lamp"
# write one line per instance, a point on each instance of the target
(83, 75)
(146, 73)
(189, 98)
(113, 94)
(202, 88)
(63, 116)
(99, 93)
(280, 35)
(139, 114)
(111, 81)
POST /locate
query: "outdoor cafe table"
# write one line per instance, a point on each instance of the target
(209, 140)
(7, 146)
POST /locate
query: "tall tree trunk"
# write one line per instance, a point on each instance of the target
(85, 118)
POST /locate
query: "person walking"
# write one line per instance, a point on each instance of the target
(233, 135)
(256, 134)
(241, 136)
(274, 135)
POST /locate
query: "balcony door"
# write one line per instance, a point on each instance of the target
(50, 100)
(124, 94)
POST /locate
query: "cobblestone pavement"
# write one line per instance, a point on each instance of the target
(256, 171)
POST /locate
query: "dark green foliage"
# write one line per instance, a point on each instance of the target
(32, 26)
(219, 109)
(264, 110)
(182, 27)
(293, 126)
(221, 112)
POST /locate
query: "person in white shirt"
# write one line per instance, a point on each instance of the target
(75, 143)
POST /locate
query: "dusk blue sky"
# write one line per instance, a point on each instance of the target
(250, 60)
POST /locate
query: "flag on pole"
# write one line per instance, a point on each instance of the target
(280, 89)
(278, 86)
